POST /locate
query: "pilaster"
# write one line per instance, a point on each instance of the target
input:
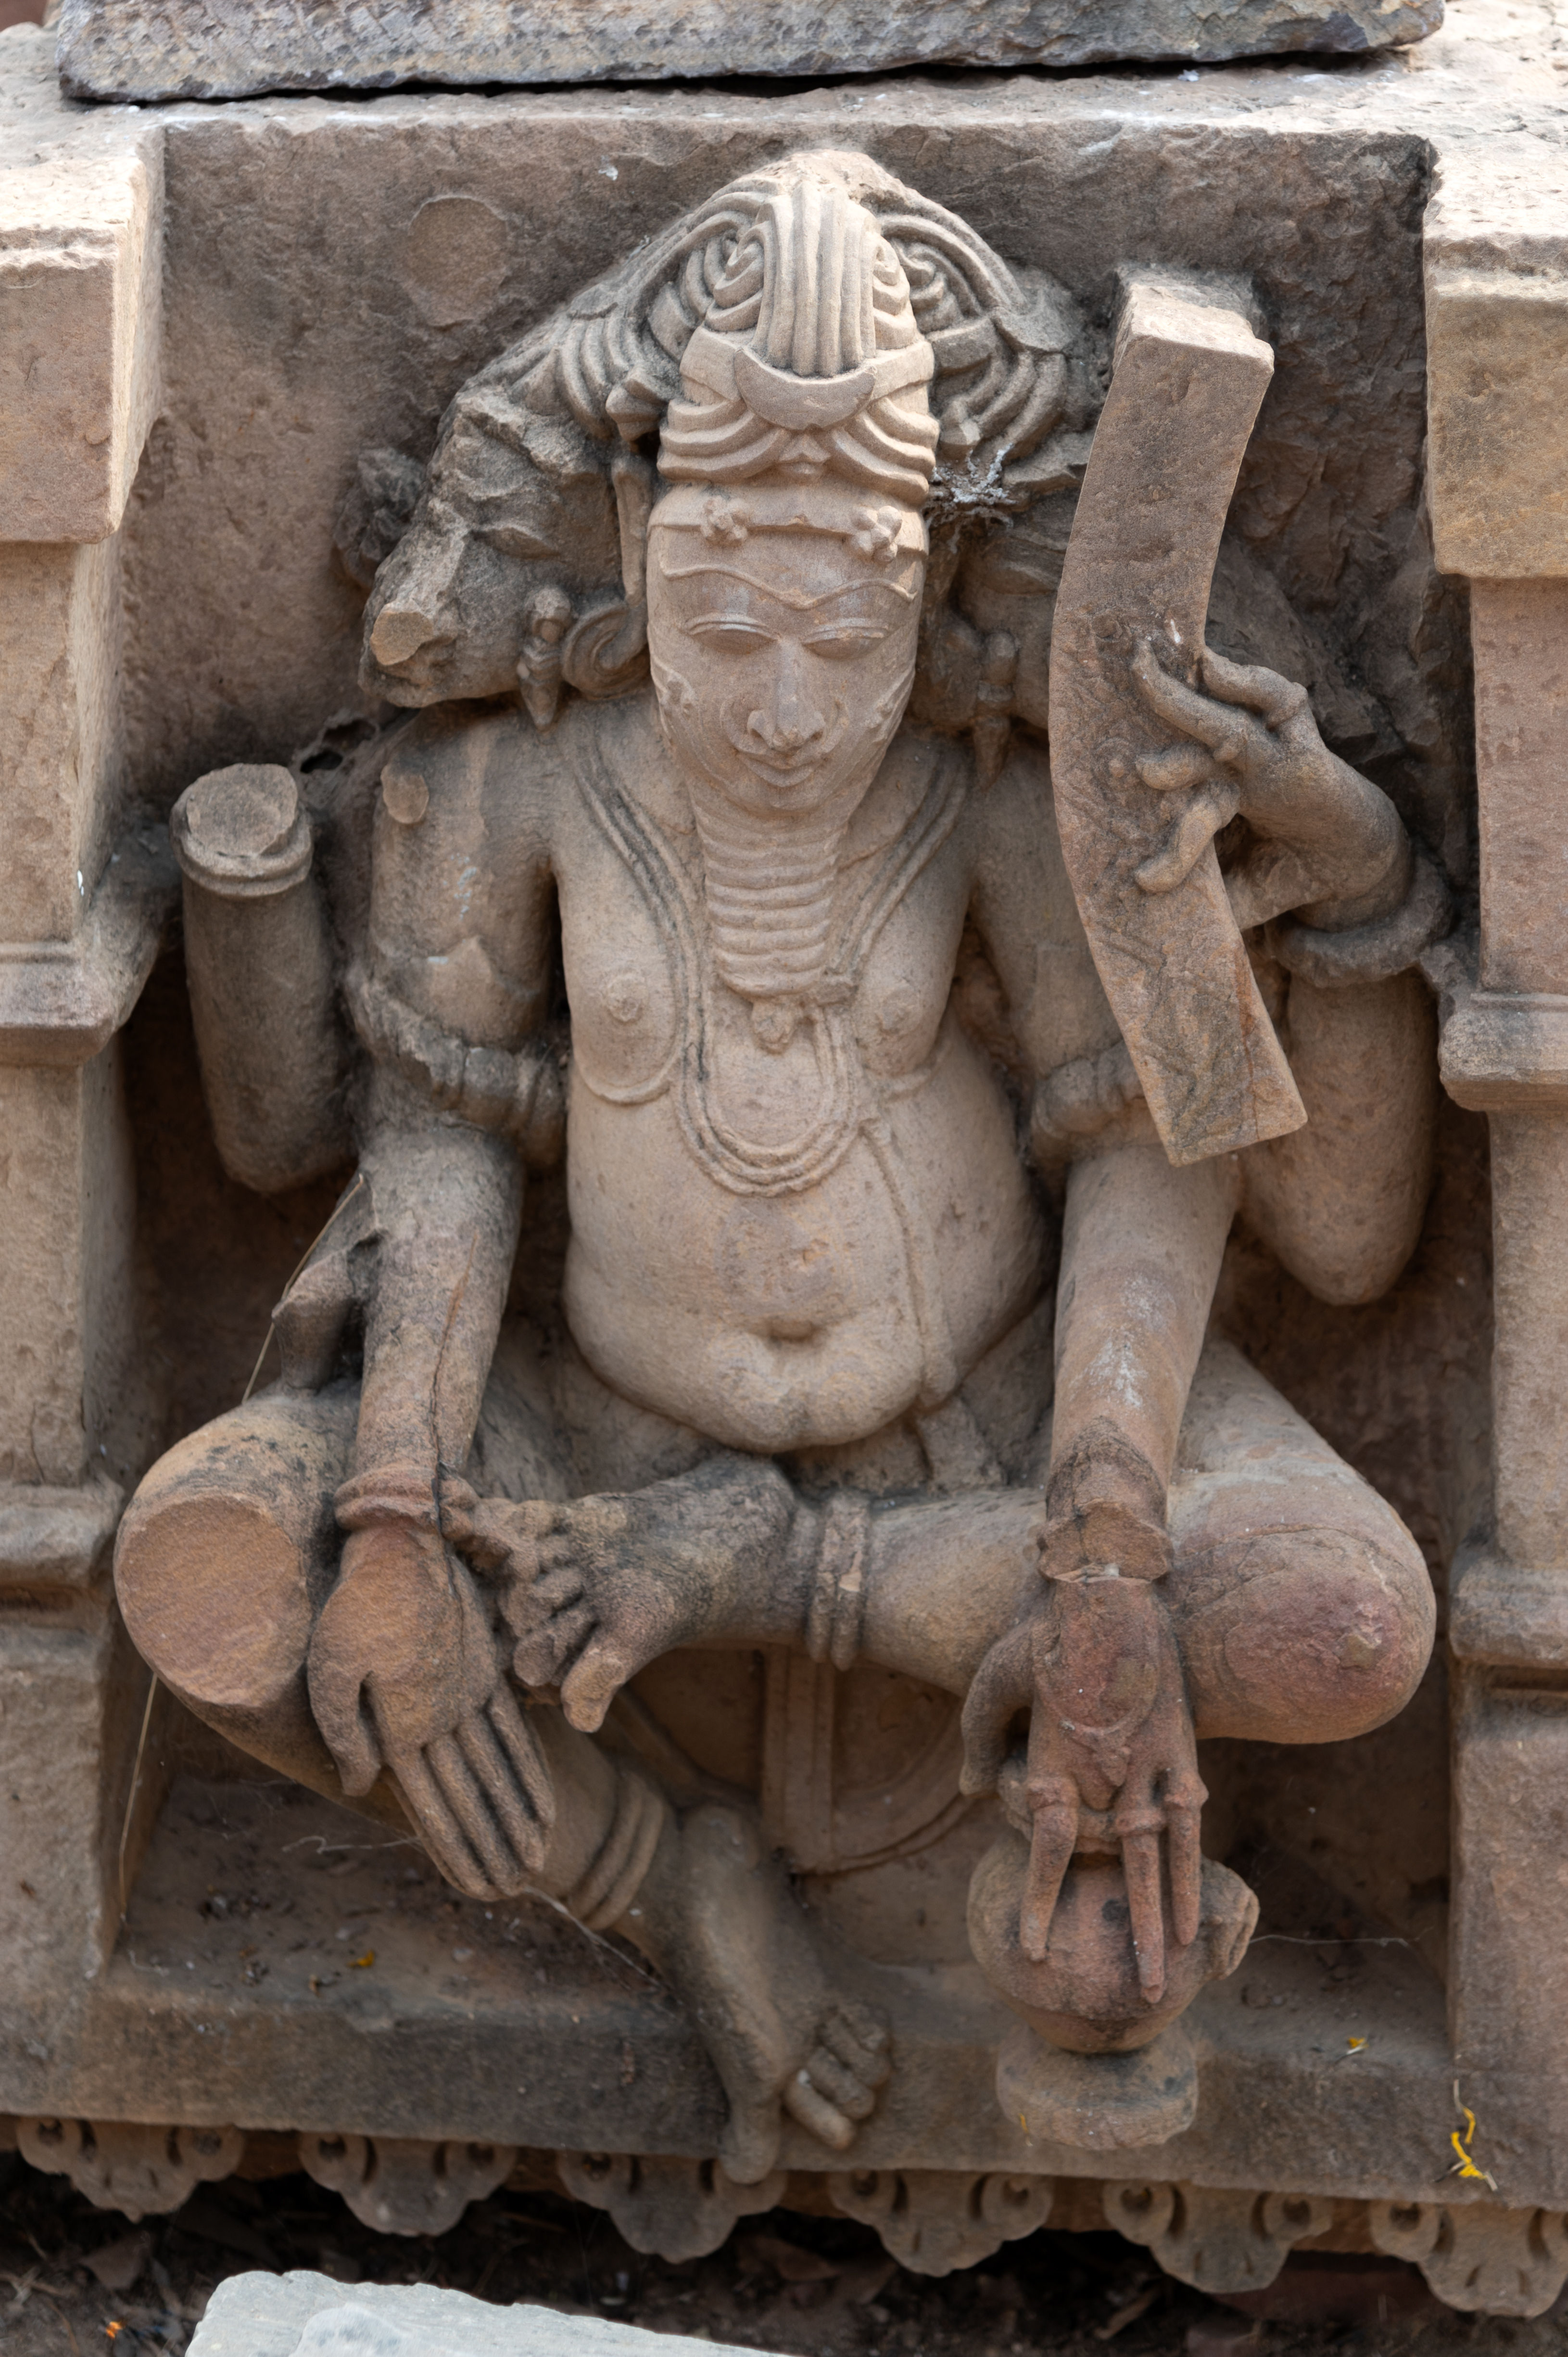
(1496, 269)
(83, 892)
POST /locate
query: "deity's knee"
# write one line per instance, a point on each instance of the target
(1306, 1635)
(224, 1559)
(1304, 1607)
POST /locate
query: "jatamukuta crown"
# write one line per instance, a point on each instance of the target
(809, 360)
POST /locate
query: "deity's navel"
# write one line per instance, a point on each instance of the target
(781, 1266)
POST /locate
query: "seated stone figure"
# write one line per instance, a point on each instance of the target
(817, 1206)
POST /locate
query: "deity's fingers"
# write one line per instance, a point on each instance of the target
(461, 1790)
(497, 1777)
(532, 1773)
(541, 1651)
(463, 1518)
(500, 1533)
(560, 1585)
(339, 1707)
(1254, 686)
(1055, 1804)
(1210, 809)
(1220, 725)
(1185, 1797)
(1178, 766)
(442, 1836)
(1141, 1865)
(1002, 1687)
(594, 1681)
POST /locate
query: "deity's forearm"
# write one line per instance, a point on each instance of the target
(924, 1587)
(1342, 857)
(732, 1554)
(1142, 1245)
(446, 1201)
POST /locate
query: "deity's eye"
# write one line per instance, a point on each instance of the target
(840, 641)
(732, 634)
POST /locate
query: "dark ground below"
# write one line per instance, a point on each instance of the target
(76, 2281)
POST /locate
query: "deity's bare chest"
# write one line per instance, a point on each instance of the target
(769, 1097)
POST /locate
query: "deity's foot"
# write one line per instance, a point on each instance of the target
(716, 1915)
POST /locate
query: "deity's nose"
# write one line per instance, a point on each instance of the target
(790, 719)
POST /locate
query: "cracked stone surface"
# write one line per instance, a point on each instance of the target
(147, 50)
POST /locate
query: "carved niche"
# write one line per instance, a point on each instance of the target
(816, 845)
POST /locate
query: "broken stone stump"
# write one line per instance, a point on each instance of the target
(305, 2314)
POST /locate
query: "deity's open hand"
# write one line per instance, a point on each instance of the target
(1331, 841)
(404, 1675)
(590, 1595)
(1111, 1760)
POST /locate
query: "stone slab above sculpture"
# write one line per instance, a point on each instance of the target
(234, 48)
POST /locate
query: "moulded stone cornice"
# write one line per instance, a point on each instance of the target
(61, 1002)
(1501, 1616)
(1506, 1053)
(81, 266)
(52, 1538)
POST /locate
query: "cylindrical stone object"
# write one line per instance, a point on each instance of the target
(259, 961)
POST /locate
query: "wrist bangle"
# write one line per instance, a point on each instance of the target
(388, 1493)
(1373, 953)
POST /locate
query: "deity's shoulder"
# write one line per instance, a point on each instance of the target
(466, 768)
(919, 771)
(612, 755)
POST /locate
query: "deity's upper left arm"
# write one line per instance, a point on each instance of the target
(1023, 905)
(461, 875)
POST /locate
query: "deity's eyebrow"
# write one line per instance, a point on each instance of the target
(784, 596)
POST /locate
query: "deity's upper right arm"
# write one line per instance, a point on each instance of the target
(452, 990)
(459, 925)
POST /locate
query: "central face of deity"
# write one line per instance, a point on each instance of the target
(782, 661)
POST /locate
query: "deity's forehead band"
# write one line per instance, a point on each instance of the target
(878, 531)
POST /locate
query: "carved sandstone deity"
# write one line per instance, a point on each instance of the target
(883, 1335)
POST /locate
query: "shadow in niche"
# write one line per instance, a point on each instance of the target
(1347, 1844)
(212, 1256)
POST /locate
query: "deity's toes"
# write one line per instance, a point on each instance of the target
(835, 2088)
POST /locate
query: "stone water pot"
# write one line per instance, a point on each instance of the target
(1084, 1994)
